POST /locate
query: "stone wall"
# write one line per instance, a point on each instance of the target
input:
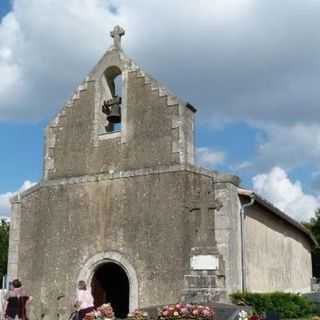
(14, 237)
(122, 194)
(133, 196)
(277, 255)
(227, 231)
(157, 128)
(141, 215)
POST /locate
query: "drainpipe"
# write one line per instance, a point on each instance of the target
(242, 217)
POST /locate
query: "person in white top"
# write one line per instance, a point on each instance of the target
(84, 302)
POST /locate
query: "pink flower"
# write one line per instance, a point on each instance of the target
(206, 312)
(184, 310)
(106, 311)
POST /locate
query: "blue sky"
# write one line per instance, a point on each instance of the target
(251, 68)
(5, 7)
(21, 143)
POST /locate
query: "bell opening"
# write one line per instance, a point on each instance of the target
(114, 119)
(112, 107)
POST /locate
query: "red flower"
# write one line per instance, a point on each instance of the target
(89, 316)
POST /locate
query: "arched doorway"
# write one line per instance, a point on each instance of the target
(99, 259)
(110, 283)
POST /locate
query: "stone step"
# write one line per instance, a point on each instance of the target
(205, 296)
(140, 74)
(83, 87)
(172, 100)
(147, 80)
(155, 85)
(133, 67)
(199, 281)
(76, 96)
(69, 104)
(163, 91)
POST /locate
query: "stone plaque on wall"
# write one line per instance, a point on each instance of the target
(204, 262)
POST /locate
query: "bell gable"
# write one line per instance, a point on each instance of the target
(118, 119)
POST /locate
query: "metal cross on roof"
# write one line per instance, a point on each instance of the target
(116, 34)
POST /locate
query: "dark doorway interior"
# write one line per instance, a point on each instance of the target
(316, 263)
(110, 284)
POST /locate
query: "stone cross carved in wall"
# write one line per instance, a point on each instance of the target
(116, 34)
(205, 203)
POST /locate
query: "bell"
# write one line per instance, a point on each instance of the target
(112, 108)
(115, 114)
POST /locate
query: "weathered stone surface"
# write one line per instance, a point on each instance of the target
(277, 256)
(143, 217)
(134, 198)
(75, 142)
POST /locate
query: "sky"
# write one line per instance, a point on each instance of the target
(252, 69)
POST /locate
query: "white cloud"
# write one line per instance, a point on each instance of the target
(5, 197)
(285, 194)
(253, 61)
(9, 69)
(289, 146)
(207, 157)
(46, 49)
(243, 59)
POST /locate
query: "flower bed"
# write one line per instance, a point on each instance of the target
(186, 311)
(104, 312)
(170, 312)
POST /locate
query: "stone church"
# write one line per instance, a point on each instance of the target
(123, 206)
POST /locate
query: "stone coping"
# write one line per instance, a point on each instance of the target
(218, 177)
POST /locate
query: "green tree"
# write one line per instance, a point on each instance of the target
(314, 225)
(4, 245)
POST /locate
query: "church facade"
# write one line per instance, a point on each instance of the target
(123, 206)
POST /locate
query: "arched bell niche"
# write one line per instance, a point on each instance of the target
(109, 103)
(111, 106)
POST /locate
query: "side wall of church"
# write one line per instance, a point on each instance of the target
(142, 217)
(277, 255)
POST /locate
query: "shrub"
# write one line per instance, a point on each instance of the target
(288, 305)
